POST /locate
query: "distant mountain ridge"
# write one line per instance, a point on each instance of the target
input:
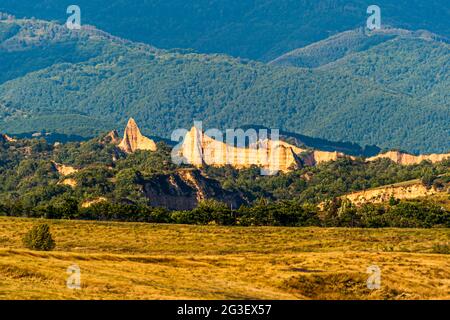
(261, 30)
(342, 44)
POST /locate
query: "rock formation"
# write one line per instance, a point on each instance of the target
(90, 203)
(133, 140)
(63, 169)
(69, 182)
(6, 138)
(199, 149)
(409, 159)
(317, 157)
(112, 137)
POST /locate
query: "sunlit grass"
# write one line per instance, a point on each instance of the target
(145, 261)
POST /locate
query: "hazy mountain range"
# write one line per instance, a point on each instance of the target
(255, 29)
(387, 88)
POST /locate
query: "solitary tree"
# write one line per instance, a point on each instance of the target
(39, 238)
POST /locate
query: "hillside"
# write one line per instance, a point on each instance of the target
(107, 178)
(349, 42)
(361, 98)
(31, 45)
(262, 29)
(406, 190)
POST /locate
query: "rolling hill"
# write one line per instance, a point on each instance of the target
(342, 44)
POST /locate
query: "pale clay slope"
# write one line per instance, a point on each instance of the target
(6, 138)
(384, 194)
(63, 169)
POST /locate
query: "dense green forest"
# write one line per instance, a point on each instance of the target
(255, 29)
(31, 186)
(394, 94)
(347, 43)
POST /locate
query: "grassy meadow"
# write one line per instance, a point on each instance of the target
(147, 261)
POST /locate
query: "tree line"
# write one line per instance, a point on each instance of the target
(335, 213)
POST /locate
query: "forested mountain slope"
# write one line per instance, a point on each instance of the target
(255, 29)
(346, 43)
(394, 95)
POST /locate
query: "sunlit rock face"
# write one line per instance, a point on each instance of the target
(112, 137)
(199, 149)
(64, 170)
(409, 159)
(133, 140)
(6, 138)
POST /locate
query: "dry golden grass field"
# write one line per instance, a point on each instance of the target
(146, 261)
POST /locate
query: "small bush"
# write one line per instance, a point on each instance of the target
(441, 248)
(39, 238)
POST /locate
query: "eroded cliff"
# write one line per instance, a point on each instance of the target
(184, 189)
(409, 159)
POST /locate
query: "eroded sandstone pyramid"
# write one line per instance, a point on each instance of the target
(133, 140)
